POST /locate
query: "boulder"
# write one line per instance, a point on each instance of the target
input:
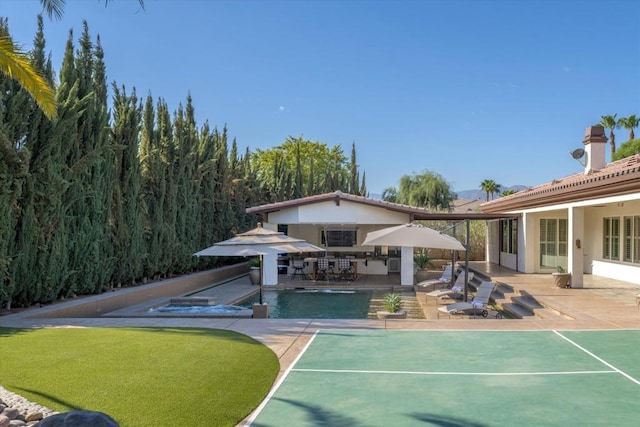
(33, 416)
(79, 419)
(11, 413)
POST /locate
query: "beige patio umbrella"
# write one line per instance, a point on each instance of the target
(412, 235)
(259, 242)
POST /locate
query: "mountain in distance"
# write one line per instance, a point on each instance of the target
(479, 194)
(468, 194)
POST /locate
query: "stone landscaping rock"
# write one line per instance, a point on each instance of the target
(11, 413)
(79, 419)
(33, 416)
(4, 421)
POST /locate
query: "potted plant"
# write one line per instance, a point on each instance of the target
(392, 307)
(422, 261)
(254, 271)
(561, 278)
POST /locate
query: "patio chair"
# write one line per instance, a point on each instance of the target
(456, 291)
(442, 280)
(480, 302)
(298, 270)
(324, 269)
(345, 268)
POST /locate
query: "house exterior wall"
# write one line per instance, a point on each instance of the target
(585, 223)
(328, 212)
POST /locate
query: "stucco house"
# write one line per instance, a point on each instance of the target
(587, 223)
(339, 223)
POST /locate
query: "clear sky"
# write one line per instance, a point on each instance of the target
(472, 90)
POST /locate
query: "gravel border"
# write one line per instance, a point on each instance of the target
(24, 406)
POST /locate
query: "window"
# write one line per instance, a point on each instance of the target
(509, 236)
(553, 242)
(632, 239)
(332, 238)
(611, 238)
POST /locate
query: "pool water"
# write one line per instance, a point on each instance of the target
(315, 303)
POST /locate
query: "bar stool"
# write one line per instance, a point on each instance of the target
(298, 270)
(346, 271)
(324, 268)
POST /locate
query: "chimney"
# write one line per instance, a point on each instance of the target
(594, 146)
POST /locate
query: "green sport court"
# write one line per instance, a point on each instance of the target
(357, 378)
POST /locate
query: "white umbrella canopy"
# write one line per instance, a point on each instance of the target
(259, 242)
(412, 235)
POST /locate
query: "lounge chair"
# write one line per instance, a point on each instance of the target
(442, 280)
(480, 302)
(454, 292)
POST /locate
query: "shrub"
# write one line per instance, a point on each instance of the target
(392, 303)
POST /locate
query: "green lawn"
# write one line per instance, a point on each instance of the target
(140, 377)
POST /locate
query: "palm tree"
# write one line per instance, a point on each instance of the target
(630, 123)
(16, 64)
(508, 192)
(490, 187)
(610, 122)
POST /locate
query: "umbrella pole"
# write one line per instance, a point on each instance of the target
(261, 278)
(467, 246)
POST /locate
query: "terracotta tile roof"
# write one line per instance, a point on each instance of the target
(415, 213)
(616, 178)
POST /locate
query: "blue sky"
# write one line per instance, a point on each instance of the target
(472, 90)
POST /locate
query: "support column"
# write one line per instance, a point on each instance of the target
(270, 261)
(406, 265)
(575, 253)
(529, 245)
(270, 269)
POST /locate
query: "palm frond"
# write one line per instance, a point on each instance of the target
(15, 64)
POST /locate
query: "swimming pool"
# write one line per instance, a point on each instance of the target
(316, 303)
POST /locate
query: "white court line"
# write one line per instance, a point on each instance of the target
(275, 388)
(604, 362)
(505, 374)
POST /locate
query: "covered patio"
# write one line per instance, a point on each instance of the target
(339, 223)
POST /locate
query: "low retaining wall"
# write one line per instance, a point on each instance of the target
(97, 305)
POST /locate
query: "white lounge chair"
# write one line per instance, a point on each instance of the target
(442, 280)
(480, 302)
(454, 292)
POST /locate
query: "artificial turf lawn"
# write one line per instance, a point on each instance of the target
(140, 376)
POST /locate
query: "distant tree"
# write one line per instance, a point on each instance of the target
(630, 123)
(390, 194)
(354, 175)
(508, 192)
(427, 189)
(490, 187)
(300, 168)
(627, 149)
(611, 123)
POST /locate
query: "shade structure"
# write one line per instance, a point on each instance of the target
(415, 235)
(259, 242)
